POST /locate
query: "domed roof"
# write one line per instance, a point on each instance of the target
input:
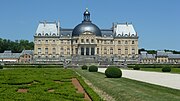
(86, 26)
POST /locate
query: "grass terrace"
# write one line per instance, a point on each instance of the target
(122, 89)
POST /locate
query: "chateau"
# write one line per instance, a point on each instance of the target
(53, 44)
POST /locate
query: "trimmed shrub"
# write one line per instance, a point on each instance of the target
(1, 67)
(39, 66)
(136, 68)
(113, 72)
(84, 67)
(166, 69)
(93, 68)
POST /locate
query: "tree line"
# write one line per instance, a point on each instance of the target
(15, 46)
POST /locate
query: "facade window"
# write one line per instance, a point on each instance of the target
(119, 51)
(62, 51)
(105, 50)
(133, 51)
(68, 42)
(105, 42)
(92, 40)
(111, 50)
(61, 41)
(82, 40)
(87, 40)
(39, 41)
(97, 50)
(39, 50)
(126, 51)
(97, 41)
(53, 41)
(68, 51)
(111, 42)
(46, 50)
(76, 50)
(132, 42)
(76, 41)
(46, 41)
(126, 42)
(119, 42)
(54, 50)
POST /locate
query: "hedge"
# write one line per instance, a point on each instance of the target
(84, 67)
(113, 72)
(93, 68)
(166, 69)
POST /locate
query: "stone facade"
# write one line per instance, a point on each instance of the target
(159, 57)
(55, 44)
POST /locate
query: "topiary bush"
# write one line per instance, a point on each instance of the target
(93, 68)
(113, 72)
(136, 68)
(1, 67)
(84, 67)
(166, 69)
(39, 66)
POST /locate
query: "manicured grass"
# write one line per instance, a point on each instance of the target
(173, 70)
(123, 89)
(38, 82)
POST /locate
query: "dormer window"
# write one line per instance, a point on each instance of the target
(126, 35)
(54, 34)
(46, 34)
(39, 34)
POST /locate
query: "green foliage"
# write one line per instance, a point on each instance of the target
(1, 67)
(153, 65)
(113, 72)
(39, 66)
(93, 68)
(84, 67)
(15, 46)
(93, 95)
(166, 69)
(38, 82)
(33, 66)
(136, 68)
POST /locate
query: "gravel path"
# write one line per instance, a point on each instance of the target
(163, 79)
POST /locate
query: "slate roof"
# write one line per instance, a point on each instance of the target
(9, 55)
(170, 55)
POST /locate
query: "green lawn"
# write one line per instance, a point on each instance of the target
(173, 70)
(123, 89)
(38, 82)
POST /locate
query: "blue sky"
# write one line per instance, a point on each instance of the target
(156, 21)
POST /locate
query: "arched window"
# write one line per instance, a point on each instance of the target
(46, 34)
(39, 34)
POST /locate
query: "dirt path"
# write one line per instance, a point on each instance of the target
(101, 93)
(76, 83)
